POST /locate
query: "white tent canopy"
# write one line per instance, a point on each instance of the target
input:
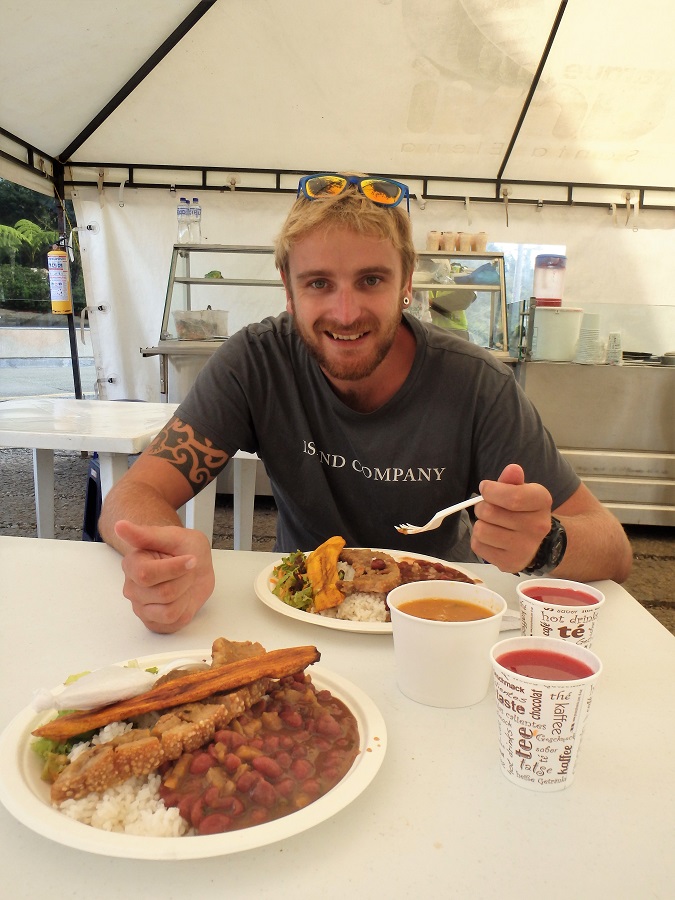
(563, 111)
(407, 87)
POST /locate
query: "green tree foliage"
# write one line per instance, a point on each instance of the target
(10, 242)
(38, 239)
(28, 229)
(24, 290)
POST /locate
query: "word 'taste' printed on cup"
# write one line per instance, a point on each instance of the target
(540, 720)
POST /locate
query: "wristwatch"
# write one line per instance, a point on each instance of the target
(550, 552)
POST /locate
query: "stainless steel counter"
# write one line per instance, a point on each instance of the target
(616, 425)
(179, 365)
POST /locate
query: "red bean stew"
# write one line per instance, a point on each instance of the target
(289, 749)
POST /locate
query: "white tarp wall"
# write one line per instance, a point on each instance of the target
(619, 264)
(126, 269)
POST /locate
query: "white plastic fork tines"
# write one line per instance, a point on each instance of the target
(436, 520)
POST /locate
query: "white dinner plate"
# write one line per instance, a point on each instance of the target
(263, 588)
(26, 796)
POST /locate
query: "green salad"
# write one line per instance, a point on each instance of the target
(292, 583)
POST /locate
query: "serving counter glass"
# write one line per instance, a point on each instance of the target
(465, 293)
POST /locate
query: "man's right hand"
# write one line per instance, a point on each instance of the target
(168, 573)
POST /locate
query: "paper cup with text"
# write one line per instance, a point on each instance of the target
(540, 719)
(558, 608)
(444, 664)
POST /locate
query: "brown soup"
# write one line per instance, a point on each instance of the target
(440, 609)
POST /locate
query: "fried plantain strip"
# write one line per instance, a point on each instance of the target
(193, 687)
(323, 574)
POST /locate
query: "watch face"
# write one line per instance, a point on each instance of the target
(558, 549)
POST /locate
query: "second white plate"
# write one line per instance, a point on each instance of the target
(263, 588)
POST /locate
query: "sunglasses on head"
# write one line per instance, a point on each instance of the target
(381, 191)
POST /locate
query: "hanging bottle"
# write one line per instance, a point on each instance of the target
(183, 220)
(195, 222)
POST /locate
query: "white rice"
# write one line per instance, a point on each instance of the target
(133, 807)
(360, 607)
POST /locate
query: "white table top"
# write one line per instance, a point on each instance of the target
(116, 426)
(439, 819)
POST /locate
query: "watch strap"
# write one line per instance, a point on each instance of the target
(550, 552)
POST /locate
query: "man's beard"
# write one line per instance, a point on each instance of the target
(358, 366)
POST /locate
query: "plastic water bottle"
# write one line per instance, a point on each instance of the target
(183, 219)
(195, 222)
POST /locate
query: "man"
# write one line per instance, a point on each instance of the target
(364, 417)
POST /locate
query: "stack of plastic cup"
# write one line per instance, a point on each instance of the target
(589, 348)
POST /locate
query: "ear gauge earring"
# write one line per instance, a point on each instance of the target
(406, 301)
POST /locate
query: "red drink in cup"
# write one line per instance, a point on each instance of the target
(558, 608)
(544, 664)
(559, 596)
(543, 689)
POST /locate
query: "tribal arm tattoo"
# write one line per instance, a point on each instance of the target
(192, 454)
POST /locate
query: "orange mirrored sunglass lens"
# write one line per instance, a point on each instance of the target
(381, 191)
(318, 187)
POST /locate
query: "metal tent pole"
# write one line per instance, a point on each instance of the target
(60, 196)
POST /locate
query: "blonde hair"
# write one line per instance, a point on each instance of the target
(349, 210)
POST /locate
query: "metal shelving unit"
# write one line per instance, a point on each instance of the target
(181, 273)
(189, 290)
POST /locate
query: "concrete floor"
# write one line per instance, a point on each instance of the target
(652, 580)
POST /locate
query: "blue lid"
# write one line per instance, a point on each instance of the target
(550, 262)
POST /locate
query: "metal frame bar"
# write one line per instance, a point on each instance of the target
(202, 7)
(427, 181)
(31, 153)
(70, 317)
(531, 92)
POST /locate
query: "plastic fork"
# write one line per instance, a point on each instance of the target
(436, 520)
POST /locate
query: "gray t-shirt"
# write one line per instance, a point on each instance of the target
(459, 418)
